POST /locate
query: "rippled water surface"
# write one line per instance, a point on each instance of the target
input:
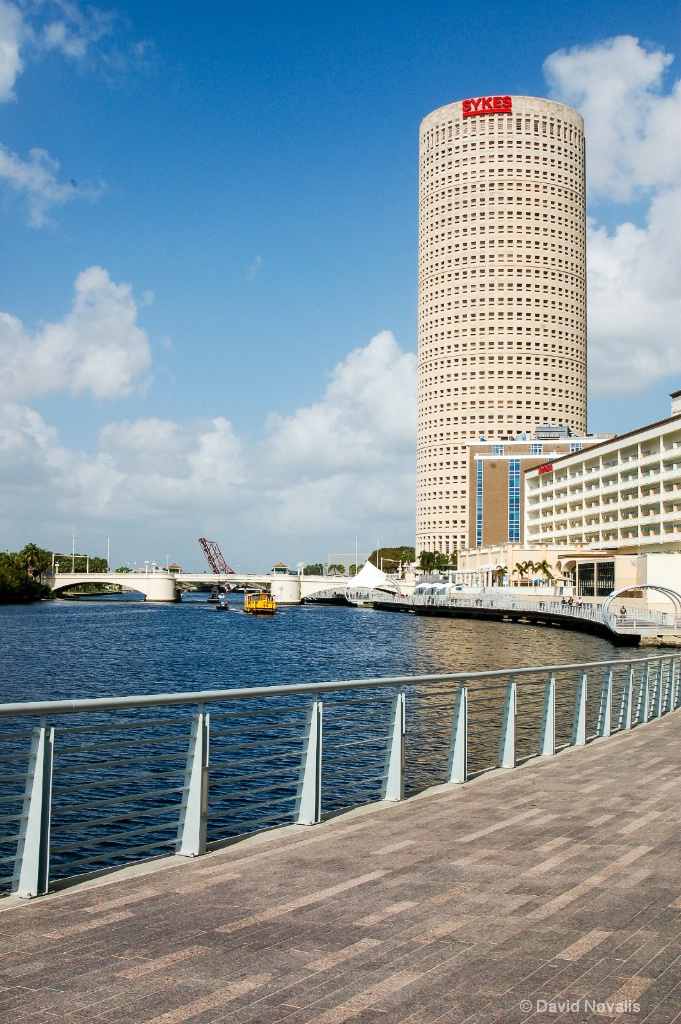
(94, 648)
(120, 776)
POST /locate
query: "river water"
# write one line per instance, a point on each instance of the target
(119, 776)
(100, 647)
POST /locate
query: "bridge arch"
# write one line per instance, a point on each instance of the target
(154, 586)
(610, 618)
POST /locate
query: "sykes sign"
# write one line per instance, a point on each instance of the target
(487, 105)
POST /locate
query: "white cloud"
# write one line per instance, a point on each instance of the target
(97, 347)
(88, 34)
(633, 131)
(37, 180)
(341, 466)
(635, 300)
(11, 64)
(44, 25)
(368, 413)
(72, 30)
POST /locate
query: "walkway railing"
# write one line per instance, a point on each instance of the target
(632, 621)
(90, 784)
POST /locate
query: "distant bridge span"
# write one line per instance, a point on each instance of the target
(167, 587)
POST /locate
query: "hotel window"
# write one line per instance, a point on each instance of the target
(497, 449)
(536, 449)
(575, 446)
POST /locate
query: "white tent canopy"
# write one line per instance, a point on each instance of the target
(371, 578)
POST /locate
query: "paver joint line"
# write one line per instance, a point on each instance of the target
(489, 900)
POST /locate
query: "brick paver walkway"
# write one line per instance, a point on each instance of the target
(559, 882)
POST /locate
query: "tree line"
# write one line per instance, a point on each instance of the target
(20, 575)
(20, 572)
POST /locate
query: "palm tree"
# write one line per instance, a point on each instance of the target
(522, 568)
(545, 569)
(499, 573)
(35, 559)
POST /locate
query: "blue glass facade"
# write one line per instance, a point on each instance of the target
(514, 500)
(478, 505)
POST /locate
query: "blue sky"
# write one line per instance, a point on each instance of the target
(245, 178)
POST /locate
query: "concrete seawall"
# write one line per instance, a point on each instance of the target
(528, 615)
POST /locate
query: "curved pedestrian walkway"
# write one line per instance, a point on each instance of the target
(589, 617)
(547, 893)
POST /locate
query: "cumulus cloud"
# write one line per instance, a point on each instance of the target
(344, 464)
(633, 130)
(635, 299)
(11, 33)
(97, 347)
(70, 29)
(30, 28)
(36, 179)
(370, 400)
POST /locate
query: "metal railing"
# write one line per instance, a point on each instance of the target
(645, 618)
(90, 784)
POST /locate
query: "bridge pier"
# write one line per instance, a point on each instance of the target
(285, 589)
(160, 589)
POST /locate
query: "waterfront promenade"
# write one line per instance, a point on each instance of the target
(556, 882)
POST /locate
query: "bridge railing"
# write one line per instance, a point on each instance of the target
(86, 785)
(645, 617)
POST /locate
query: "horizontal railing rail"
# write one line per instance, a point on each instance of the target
(94, 783)
(639, 618)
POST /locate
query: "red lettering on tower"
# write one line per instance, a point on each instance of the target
(487, 105)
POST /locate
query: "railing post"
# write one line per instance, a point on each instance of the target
(667, 683)
(676, 685)
(309, 799)
(626, 706)
(547, 737)
(393, 775)
(579, 718)
(605, 707)
(656, 704)
(193, 820)
(32, 863)
(457, 768)
(507, 740)
(644, 695)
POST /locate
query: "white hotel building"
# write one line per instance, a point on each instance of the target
(623, 495)
(502, 301)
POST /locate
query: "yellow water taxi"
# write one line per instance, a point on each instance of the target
(260, 603)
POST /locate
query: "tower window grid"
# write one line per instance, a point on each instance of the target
(501, 275)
